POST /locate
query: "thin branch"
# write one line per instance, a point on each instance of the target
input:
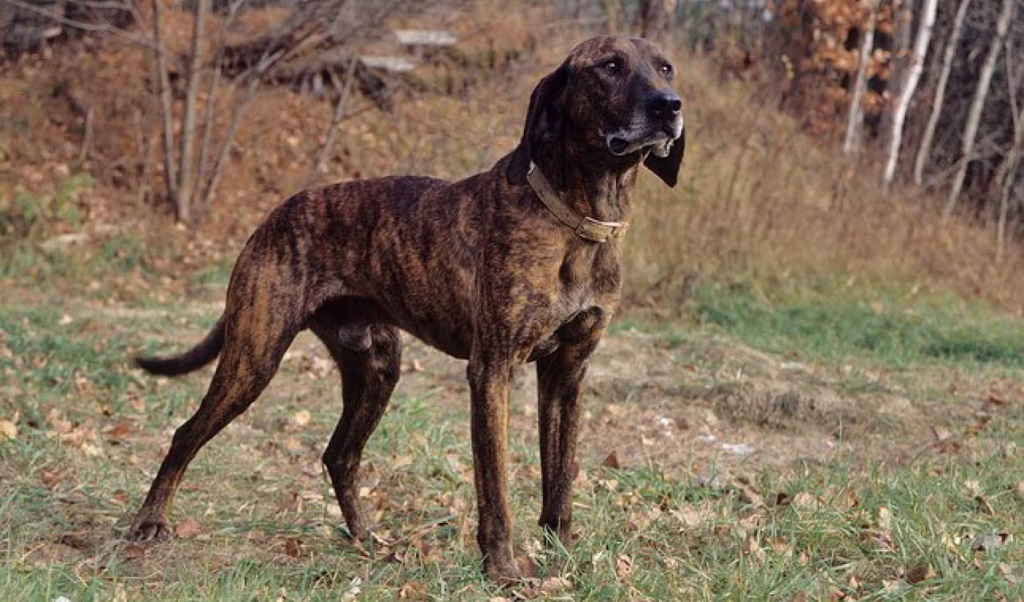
(340, 111)
(211, 99)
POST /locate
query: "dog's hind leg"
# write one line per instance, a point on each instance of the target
(249, 360)
(369, 358)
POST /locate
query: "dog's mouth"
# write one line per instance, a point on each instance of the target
(659, 142)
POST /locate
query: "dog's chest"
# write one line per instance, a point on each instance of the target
(590, 276)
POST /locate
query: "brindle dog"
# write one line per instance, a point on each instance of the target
(485, 269)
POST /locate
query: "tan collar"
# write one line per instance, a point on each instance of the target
(583, 226)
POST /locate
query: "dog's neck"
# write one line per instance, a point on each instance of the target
(599, 191)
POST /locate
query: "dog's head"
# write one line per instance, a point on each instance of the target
(614, 96)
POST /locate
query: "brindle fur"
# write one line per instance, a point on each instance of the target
(477, 268)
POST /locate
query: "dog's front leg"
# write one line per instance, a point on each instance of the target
(490, 380)
(559, 383)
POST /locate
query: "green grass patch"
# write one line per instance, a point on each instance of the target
(839, 324)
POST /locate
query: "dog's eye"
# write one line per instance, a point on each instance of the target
(612, 66)
(666, 70)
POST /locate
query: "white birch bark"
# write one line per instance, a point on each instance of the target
(852, 140)
(940, 93)
(924, 35)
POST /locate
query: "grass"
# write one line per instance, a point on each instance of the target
(844, 322)
(91, 434)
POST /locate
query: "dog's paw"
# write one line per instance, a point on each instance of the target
(147, 531)
(515, 571)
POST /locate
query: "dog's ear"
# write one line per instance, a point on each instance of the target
(667, 168)
(543, 119)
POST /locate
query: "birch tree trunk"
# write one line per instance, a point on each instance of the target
(980, 94)
(940, 93)
(924, 35)
(852, 140)
(186, 175)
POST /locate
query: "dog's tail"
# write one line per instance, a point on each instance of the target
(195, 358)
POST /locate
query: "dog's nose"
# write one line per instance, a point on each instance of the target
(664, 104)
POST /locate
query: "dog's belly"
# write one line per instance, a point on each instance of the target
(352, 316)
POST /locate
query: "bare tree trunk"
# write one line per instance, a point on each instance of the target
(656, 17)
(980, 94)
(253, 77)
(186, 175)
(924, 35)
(1008, 174)
(229, 139)
(852, 140)
(940, 92)
(340, 110)
(163, 85)
(614, 10)
(1008, 169)
(211, 101)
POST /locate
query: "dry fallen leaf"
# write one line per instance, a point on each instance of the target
(804, 499)
(919, 573)
(134, 551)
(623, 567)
(996, 399)
(1008, 573)
(293, 548)
(302, 418)
(884, 518)
(611, 461)
(413, 590)
(8, 430)
(187, 528)
(881, 539)
(987, 542)
(553, 585)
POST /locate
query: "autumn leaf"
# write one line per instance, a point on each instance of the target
(301, 418)
(611, 461)
(987, 542)
(293, 548)
(8, 430)
(187, 529)
(919, 572)
(623, 567)
(413, 590)
(134, 551)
